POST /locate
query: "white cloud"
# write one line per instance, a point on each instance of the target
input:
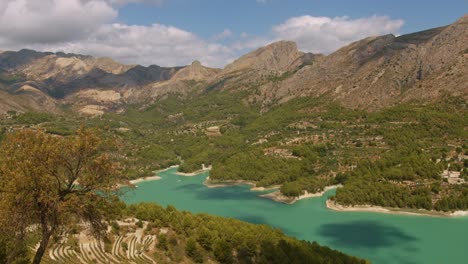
(124, 2)
(146, 45)
(325, 34)
(248, 42)
(45, 21)
(244, 34)
(160, 44)
(223, 35)
(87, 27)
(90, 27)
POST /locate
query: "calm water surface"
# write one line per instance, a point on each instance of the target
(381, 238)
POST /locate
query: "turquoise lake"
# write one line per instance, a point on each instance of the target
(381, 238)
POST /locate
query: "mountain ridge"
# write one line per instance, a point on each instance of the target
(371, 73)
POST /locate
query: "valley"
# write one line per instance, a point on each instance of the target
(361, 150)
(389, 151)
(377, 237)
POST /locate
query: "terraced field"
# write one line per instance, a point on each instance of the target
(131, 248)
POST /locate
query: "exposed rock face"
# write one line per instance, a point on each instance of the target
(380, 71)
(67, 68)
(140, 75)
(44, 65)
(70, 78)
(262, 68)
(189, 79)
(371, 73)
(196, 71)
(26, 98)
(10, 60)
(275, 58)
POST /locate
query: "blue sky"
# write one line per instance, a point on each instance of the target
(176, 32)
(208, 17)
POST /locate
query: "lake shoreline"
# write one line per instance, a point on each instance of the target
(144, 179)
(194, 173)
(190, 174)
(277, 196)
(228, 183)
(332, 205)
(150, 178)
(310, 220)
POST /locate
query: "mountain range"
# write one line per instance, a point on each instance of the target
(369, 74)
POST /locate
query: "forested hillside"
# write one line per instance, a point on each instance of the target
(60, 203)
(311, 105)
(149, 233)
(303, 145)
(372, 73)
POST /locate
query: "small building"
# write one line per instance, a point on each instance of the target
(453, 177)
(462, 157)
(213, 131)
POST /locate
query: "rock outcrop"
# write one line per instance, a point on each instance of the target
(371, 73)
(274, 58)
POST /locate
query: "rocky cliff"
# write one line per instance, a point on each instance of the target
(371, 73)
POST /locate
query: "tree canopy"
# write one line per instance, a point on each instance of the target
(49, 182)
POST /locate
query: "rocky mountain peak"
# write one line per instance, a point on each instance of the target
(282, 46)
(196, 63)
(195, 71)
(463, 19)
(371, 73)
(276, 57)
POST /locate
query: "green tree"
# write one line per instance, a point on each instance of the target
(162, 242)
(193, 250)
(223, 251)
(292, 189)
(52, 182)
(190, 247)
(205, 238)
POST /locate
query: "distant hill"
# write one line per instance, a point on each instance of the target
(370, 74)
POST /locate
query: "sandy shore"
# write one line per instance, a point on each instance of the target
(219, 184)
(386, 210)
(195, 173)
(279, 197)
(149, 178)
(156, 177)
(261, 189)
(460, 213)
(190, 174)
(139, 180)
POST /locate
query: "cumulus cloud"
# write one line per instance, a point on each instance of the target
(248, 42)
(160, 44)
(88, 27)
(45, 21)
(124, 2)
(146, 45)
(325, 34)
(91, 27)
(223, 35)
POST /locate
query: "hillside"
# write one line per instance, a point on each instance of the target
(385, 118)
(369, 74)
(383, 114)
(280, 116)
(148, 233)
